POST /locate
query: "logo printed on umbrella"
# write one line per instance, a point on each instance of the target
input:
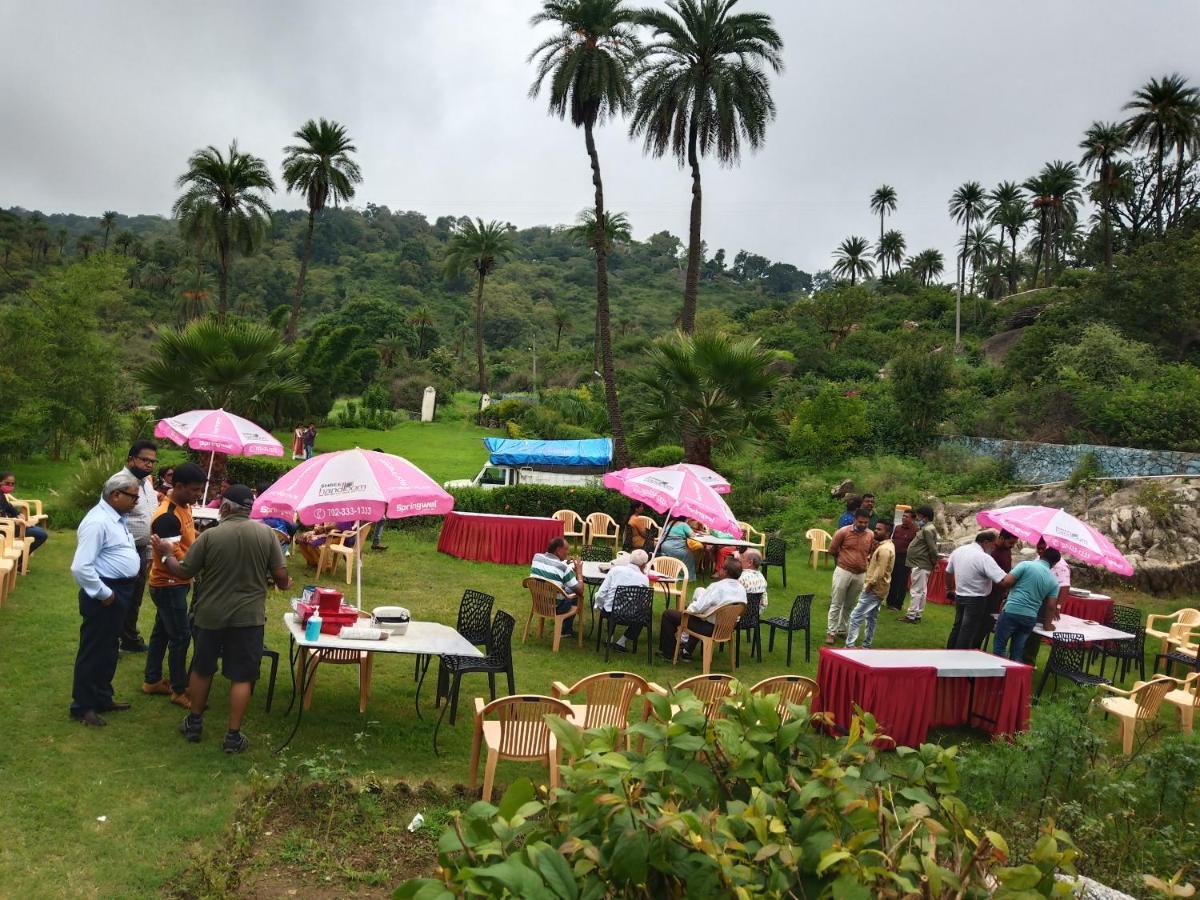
(339, 488)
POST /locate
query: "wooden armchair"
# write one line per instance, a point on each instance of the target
(544, 596)
(1172, 626)
(33, 511)
(515, 728)
(573, 526)
(724, 626)
(793, 690)
(1186, 698)
(678, 586)
(818, 543)
(337, 547)
(753, 536)
(606, 699)
(1140, 704)
(601, 527)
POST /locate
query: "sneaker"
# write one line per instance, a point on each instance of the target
(235, 743)
(191, 729)
(159, 687)
(181, 699)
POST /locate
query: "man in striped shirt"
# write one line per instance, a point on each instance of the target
(566, 574)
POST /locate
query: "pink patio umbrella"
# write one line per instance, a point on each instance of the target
(358, 485)
(1061, 530)
(676, 491)
(714, 480)
(218, 431)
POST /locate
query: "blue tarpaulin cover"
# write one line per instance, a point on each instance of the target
(595, 452)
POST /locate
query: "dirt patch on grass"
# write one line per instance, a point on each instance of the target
(295, 837)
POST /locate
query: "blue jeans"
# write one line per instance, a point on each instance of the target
(170, 636)
(1012, 632)
(377, 535)
(866, 612)
(39, 536)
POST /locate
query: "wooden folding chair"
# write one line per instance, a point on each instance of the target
(517, 731)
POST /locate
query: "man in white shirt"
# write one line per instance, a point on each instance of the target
(143, 457)
(628, 570)
(970, 575)
(105, 566)
(705, 603)
(751, 578)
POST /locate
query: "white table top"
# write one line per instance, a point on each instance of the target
(592, 572)
(949, 663)
(722, 542)
(1092, 631)
(204, 512)
(426, 638)
(479, 515)
(1081, 594)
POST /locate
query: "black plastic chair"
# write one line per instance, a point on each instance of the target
(632, 605)
(798, 620)
(775, 554)
(1067, 654)
(475, 616)
(272, 655)
(1177, 657)
(750, 622)
(1125, 653)
(497, 661)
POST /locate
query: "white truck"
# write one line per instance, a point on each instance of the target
(565, 463)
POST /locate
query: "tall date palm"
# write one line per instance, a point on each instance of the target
(704, 91)
(478, 247)
(587, 68)
(320, 167)
(223, 203)
(966, 206)
(927, 265)
(850, 259)
(890, 251)
(883, 203)
(1165, 115)
(1100, 145)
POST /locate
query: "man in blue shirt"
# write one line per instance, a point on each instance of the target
(106, 567)
(1032, 585)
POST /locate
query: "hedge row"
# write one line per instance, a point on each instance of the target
(541, 500)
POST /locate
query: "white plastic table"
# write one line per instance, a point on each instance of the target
(709, 540)
(422, 639)
(949, 663)
(1091, 631)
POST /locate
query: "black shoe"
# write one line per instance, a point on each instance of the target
(116, 706)
(619, 648)
(138, 646)
(191, 728)
(235, 743)
(379, 547)
(90, 719)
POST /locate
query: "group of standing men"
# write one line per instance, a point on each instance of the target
(132, 536)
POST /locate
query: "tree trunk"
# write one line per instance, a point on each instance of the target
(691, 283)
(1177, 211)
(697, 450)
(962, 277)
(620, 453)
(1012, 266)
(223, 285)
(1158, 185)
(479, 335)
(1037, 262)
(557, 337)
(289, 333)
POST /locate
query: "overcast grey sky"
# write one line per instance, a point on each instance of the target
(101, 104)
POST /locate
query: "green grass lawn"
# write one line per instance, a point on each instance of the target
(166, 801)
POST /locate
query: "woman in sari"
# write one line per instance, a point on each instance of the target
(675, 544)
(298, 442)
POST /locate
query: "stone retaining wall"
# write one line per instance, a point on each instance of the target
(1035, 463)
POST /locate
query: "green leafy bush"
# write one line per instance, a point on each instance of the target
(828, 427)
(666, 455)
(541, 500)
(356, 415)
(83, 491)
(1158, 501)
(741, 806)
(253, 470)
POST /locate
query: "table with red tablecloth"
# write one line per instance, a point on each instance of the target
(936, 592)
(1096, 608)
(499, 539)
(910, 691)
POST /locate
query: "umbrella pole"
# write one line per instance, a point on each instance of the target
(207, 478)
(358, 564)
(662, 536)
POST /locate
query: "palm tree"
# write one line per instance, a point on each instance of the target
(1166, 114)
(1004, 193)
(966, 205)
(883, 202)
(1100, 145)
(563, 321)
(978, 250)
(390, 348)
(1056, 198)
(1012, 218)
(616, 229)
(927, 265)
(850, 259)
(890, 251)
(702, 91)
(108, 222)
(478, 247)
(61, 237)
(705, 392)
(422, 320)
(222, 203)
(123, 241)
(86, 243)
(588, 65)
(320, 167)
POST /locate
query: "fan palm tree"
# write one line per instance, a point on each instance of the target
(588, 69)
(966, 206)
(705, 392)
(320, 167)
(850, 259)
(1165, 115)
(927, 265)
(703, 91)
(478, 247)
(616, 229)
(223, 203)
(86, 244)
(883, 202)
(108, 222)
(1101, 144)
(890, 251)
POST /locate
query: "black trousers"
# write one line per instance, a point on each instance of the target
(129, 628)
(669, 625)
(899, 586)
(970, 620)
(96, 660)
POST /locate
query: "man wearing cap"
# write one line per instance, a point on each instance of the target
(235, 561)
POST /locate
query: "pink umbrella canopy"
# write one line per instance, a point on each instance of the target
(676, 491)
(353, 486)
(1061, 530)
(218, 431)
(714, 480)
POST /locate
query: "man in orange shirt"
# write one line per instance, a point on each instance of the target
(852, 547)
(172, 522)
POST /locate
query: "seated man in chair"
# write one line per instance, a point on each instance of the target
(705, 602)
(628, 570)
(564, 573)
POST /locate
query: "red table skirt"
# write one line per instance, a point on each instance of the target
(499, 539)
(937, 584)
(906, 702)
(1095, 609)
